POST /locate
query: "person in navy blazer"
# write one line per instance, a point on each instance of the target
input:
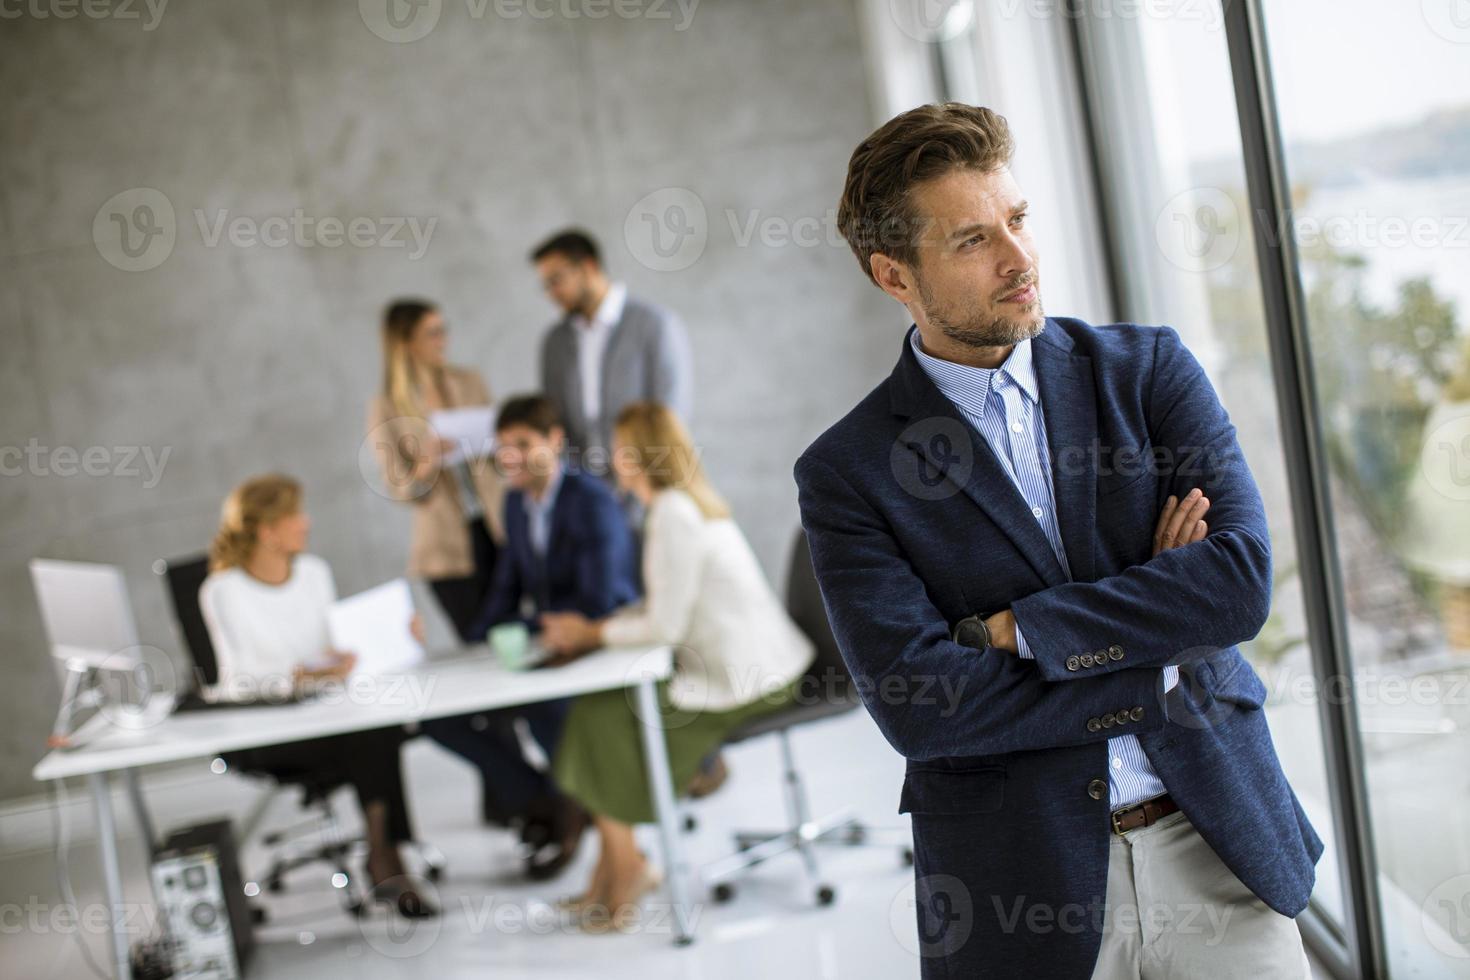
(585, 560)
(568, 547)
(1016, 516)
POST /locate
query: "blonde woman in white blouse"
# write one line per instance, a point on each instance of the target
(265, 606)
(737, 653)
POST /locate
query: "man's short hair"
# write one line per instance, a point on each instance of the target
(574, 243)
(877, 212)
(534, 411)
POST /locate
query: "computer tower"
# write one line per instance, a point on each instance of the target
(201, 898)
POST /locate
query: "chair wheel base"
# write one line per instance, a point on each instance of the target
(826, 895)
(723, 892)
(907, 857)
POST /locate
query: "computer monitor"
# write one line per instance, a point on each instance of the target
(86, 612)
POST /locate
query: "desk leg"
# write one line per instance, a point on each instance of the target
(111, 872)
(661, 786)
(140, 812)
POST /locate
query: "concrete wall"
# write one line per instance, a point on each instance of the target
(234, 356)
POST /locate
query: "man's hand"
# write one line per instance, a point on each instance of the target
(1003, 631)
(568, 635)
(1181, 522)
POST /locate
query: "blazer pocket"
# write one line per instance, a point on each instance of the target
(1129, 466)
(952, 791)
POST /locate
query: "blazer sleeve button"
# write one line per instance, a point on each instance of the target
(1115, 652)
(1093, 725)
(1108, 721)
(1086, 659)
(1122, 716)
(1136, 714)
(1073, 662)
(1097, 789)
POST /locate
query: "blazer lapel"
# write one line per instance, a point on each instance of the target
(1068, 403)
(934, 429)
(518, 535)
(560, 509)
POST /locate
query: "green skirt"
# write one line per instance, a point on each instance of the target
(599, 760)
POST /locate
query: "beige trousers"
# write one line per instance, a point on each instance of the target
(1175, 912)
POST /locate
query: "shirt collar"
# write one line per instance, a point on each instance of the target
(609, 311)
(970, 386)
(548, 499)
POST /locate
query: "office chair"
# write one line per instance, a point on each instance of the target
(320, 838)
(827, 677)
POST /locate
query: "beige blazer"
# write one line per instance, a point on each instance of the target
(440, 545)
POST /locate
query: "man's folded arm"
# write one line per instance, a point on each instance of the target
(930, 696)
(1185, 603)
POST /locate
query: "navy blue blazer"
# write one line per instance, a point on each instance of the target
(914, 524)
(591, 563)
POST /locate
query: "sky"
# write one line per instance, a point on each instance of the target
(1340, 66)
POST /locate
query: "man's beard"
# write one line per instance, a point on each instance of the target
(984, 329)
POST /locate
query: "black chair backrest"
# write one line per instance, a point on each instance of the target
(804, 604)
(185, 576)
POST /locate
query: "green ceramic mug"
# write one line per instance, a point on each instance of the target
(511, 643)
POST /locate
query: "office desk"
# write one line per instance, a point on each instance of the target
(467, 681)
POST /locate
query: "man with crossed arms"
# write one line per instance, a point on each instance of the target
(1019, 510)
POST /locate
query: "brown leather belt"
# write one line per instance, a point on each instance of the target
(1143, 814)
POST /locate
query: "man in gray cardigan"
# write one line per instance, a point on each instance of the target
(609, 349)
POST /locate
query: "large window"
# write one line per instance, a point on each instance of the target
(1287, 183)
(1159, 86)
(1373, 102)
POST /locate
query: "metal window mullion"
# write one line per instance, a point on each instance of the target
(1307, 472)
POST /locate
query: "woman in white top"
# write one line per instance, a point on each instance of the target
(737, 654)
(265, 605)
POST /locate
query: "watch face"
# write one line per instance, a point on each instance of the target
(971, 633)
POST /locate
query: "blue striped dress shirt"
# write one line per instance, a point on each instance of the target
(1004, 404)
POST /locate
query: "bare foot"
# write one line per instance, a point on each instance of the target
(619, 911)
(596, 893)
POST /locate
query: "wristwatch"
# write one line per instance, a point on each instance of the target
(972, 632)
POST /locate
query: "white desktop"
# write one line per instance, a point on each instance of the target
(89, 627)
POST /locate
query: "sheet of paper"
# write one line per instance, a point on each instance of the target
(375, 626)
(470, 429)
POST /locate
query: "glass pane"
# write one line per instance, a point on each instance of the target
(1161, 89)
(1375, 117)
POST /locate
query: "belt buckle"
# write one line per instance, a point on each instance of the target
(1117, 814)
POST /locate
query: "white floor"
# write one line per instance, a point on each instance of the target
(495, 925)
